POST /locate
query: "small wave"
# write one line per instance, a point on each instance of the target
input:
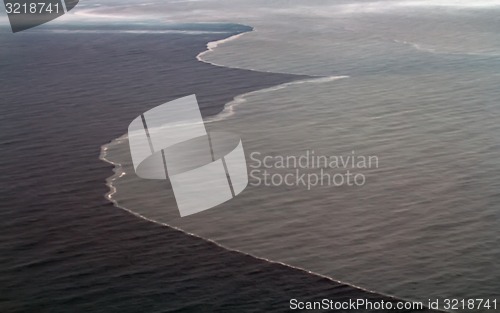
(423, 48)
(415, 45)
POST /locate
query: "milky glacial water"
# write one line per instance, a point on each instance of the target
(412, 83)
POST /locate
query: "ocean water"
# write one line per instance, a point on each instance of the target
(66, 91)
(414, 83)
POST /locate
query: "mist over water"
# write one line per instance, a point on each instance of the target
(419, 90)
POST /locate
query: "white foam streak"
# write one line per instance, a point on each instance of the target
(229, 108)
(211, 46)
(214, 44)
